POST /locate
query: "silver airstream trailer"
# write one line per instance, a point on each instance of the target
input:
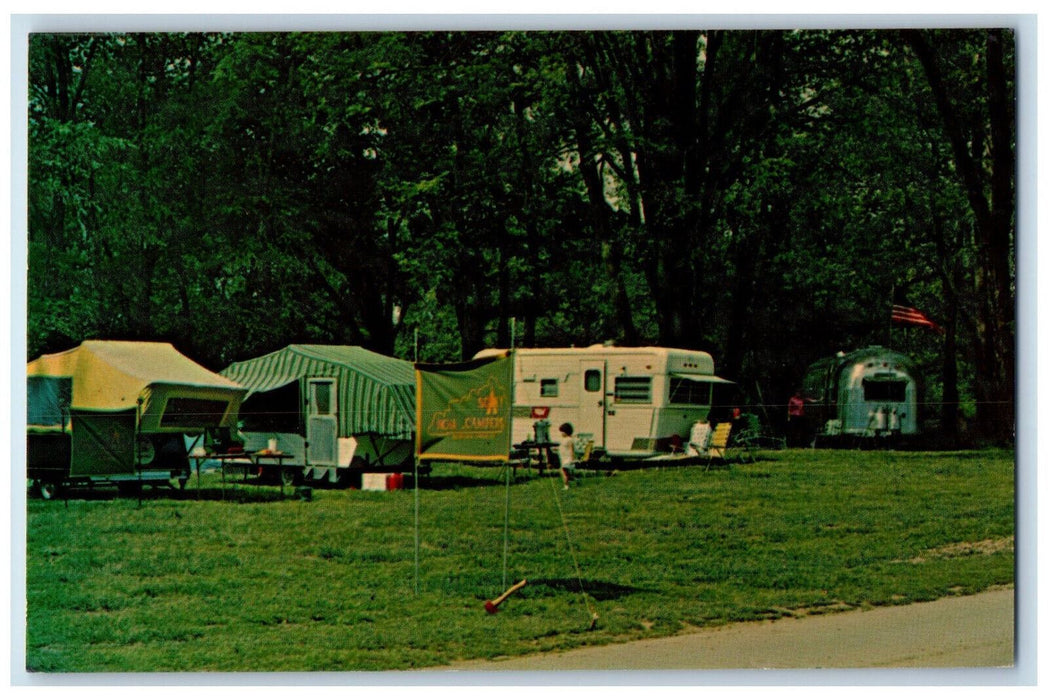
(867, 393)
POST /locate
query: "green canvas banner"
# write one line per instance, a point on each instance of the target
(464, 410)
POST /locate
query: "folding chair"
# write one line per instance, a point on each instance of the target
(720, 446)
(583, 453)
(699, 440)
(752, 438)
(717, 448)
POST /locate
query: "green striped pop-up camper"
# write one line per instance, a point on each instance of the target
(338, 410)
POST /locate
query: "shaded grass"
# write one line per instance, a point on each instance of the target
(244, 580)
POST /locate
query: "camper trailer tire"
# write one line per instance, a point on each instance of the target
(352, 476)
(289, 475)
(47, 490)
(345, 475)
(129, 488)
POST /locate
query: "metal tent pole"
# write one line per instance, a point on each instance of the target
(509, 467)
(505, 534)
(417, 543)
(138, 440)
(891, 301)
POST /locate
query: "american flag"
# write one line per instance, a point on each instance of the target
(912, 317)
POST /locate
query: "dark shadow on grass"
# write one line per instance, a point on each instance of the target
(239, 494)
(110, 492)
(81, 494)
(598, 590)
(703, 463)
(454, 483)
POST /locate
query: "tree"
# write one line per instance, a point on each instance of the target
(978, 118)
(737, 192)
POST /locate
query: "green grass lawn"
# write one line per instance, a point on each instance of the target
(239, 578)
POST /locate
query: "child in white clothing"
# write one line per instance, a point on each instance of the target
(566, 452)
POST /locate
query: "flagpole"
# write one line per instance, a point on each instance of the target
(418, 453)
(891, 303)
(509, 448)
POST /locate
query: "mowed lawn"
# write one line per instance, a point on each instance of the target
(238, 577)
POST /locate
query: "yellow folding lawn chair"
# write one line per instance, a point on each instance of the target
(720, 447)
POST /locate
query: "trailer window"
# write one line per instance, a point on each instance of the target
(548, 388)
(193, 413)
(48, 400)
(592, 380)
(689, 391)
(322, 396)
(275, 411)
(879, 390)
(633, 389)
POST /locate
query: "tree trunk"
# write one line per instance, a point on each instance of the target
(600, 215)
(994, 215)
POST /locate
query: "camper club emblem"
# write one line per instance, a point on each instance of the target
(478, 414)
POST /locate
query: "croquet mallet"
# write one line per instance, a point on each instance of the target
(492, 606)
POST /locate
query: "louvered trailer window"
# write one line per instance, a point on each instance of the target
(633, 389)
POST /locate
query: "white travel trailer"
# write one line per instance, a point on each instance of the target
(633, 402)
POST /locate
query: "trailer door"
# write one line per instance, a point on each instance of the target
(592, 401)
(322, 422)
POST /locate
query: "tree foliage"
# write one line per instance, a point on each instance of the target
(763, 195)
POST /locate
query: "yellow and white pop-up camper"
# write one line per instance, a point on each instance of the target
(118, 411)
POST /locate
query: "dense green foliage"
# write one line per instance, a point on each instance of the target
(236, 578)
(737, 192)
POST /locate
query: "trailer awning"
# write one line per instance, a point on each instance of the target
(705, 378)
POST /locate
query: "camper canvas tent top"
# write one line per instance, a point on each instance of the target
(113, 408)
(330, 406)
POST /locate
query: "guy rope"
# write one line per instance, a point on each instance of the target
(593, 617)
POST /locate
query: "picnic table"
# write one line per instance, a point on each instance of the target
(531, 452)
(247, 461)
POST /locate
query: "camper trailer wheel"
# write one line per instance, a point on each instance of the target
(288, 476)
(343, 477)
(129, 488)
(351, 477)
(47, 489)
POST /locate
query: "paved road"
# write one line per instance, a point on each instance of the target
(960, 632)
